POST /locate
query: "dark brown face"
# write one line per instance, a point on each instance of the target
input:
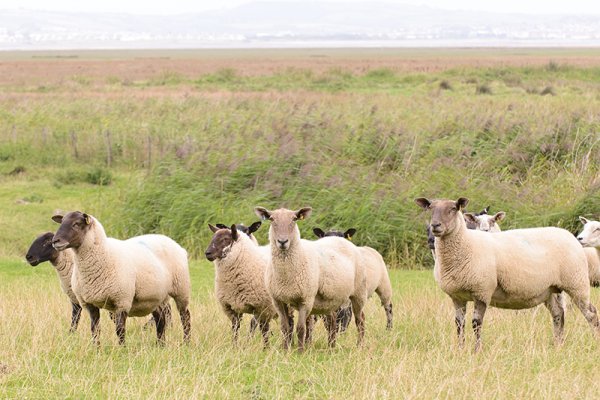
(443, 214)
(72, 230)
(41, 250)
(221, 242)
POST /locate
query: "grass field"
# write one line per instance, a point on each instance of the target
(417, 359)
(167, 141)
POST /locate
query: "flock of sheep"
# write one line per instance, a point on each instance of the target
(329, 277)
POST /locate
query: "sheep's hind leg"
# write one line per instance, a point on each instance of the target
(555, 306)
(264, 329)
(121, 318)
(359, 318)
(95, 323)
(478, 314)
(588, 311)
(75, 315)
(310, 327)
(460, 308)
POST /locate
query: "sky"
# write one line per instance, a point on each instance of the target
(189, 6)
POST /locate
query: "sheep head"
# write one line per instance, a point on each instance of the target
(41, 250)
(347, 234)
(444, 214)
(484, 222)
(284, 230)
(221, 242)
(590, 235)
(72, 230)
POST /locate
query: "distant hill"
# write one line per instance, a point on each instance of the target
(263, 23)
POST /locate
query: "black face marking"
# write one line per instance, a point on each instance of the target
(221, 240)
(41, 250)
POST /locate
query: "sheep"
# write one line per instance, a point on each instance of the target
(514, 269)
(590, 240)
(132, 277)
(239, 278)
(248, 230)
(41, 250)
(479, 221)
(311, 277)
(378, 279)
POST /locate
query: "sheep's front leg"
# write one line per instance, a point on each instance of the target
(310, 326)
(285, 322)
(359, 317)
(460, 308)
(235, 319)
(95, 322)
(75, 315)
(264, 329)
(478, 314)
(121, 318)
(160, 320)
(303, 313)
(332, 328)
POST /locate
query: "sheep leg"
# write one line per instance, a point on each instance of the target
(75, 315)
(460, 309)
(384, 291)
(343, 317)
(264, 329)
(359, 318)
(235, 319)
(95, 322)
(184, 314)
(588, 311)
(121, 318)
(301, 327)
(478, 314)
(159, 318)
(287, 326)
(332, 328)
(555, 306)
(310, 326)
(254, 322)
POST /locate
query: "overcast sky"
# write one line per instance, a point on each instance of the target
(188, 6)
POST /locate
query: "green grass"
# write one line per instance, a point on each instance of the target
(417, 359)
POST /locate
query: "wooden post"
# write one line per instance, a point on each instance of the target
(74, 144)
(108, 149)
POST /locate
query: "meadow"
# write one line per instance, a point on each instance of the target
(170, 141)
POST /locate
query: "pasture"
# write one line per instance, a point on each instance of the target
(169, 141)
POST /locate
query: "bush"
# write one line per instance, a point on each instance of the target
(99, 176)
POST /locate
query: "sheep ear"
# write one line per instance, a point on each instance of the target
(234, 232)
(349, 233)
(318, 232)
(254, 227)
(499, 216)
(213, 228)
(87, 219)
(262, 213)
(582, 219)
(470, 217)
(485, 211)
(462, 202)
(303, 213)
(423, 203)
(221, 226)
(58, 218)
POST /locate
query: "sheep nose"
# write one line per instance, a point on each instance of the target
(579, 238)
(436, 225)
(282, 242)
(28, 257)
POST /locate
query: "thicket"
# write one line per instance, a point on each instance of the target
(358, 156)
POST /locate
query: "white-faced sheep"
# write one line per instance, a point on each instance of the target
(240, 287)
(133, 277)
(514, 269)
(378, 279)
(311, 277)
(590, 240)
(40, 251)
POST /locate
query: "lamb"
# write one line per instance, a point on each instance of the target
(132, 277)
(378, 279)
(590, 240)
(41, 250)
(239, 278)
(515, 269)
(312, 277)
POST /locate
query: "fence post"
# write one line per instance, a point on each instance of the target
(108, 149)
